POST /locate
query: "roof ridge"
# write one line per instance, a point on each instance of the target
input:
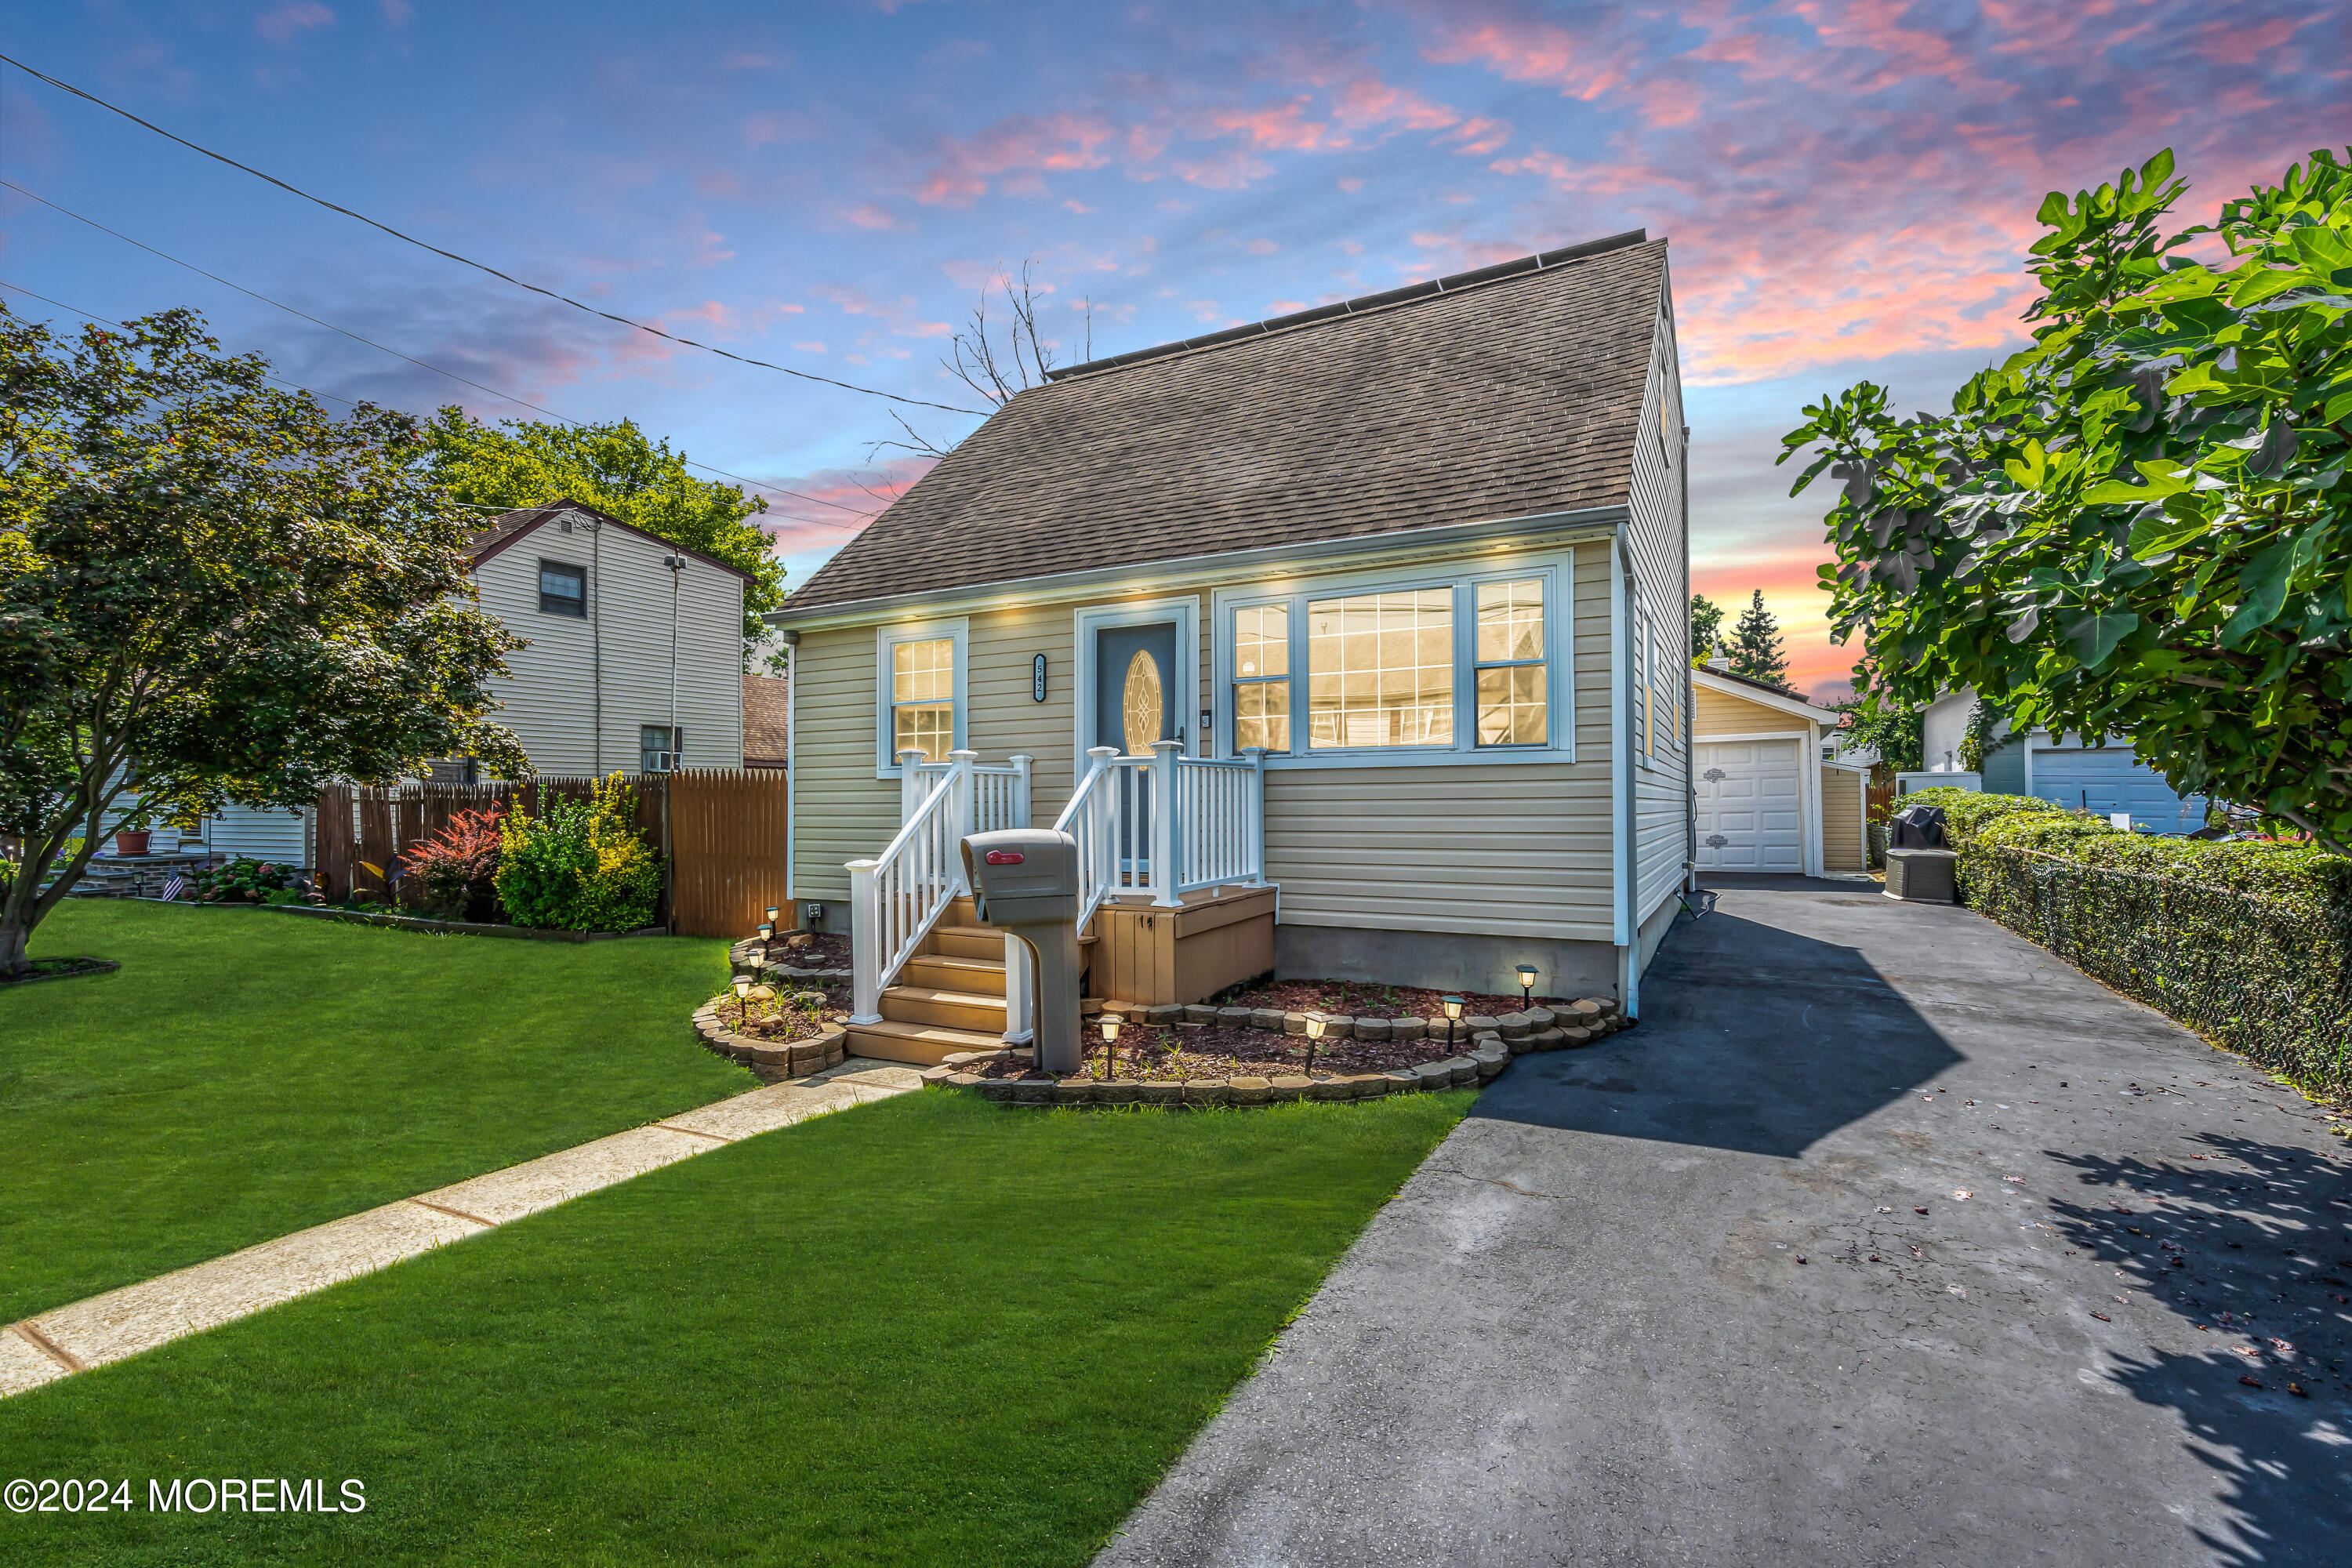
(1452, 283)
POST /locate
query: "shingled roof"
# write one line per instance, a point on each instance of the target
(1514, 391)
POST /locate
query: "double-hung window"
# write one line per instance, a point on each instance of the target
(920, 674)
(1459, 666)
(563, 589)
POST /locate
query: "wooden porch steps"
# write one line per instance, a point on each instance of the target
(949, 996)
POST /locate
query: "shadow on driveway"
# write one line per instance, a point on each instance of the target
(1753, 1037)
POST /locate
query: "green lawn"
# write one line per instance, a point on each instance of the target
(931, 1331)
(246, 1074)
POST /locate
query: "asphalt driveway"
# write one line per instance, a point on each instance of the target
(1885, 1237)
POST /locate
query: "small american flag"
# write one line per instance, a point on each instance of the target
(174, 885)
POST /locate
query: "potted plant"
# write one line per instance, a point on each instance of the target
(132, 841)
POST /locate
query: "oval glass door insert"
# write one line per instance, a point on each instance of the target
(1139, 703)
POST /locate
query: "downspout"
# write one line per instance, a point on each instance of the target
(792, 772)
(1621, 794)
(1690, 698)
(596, 640)
(676, 565)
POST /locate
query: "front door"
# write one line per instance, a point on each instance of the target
(1136, 694)
(1135, 700)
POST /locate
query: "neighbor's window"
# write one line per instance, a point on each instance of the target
(1262, 678)
(922, 698)
(1380, 670)
(660, 748)
(1510, 662)
(563, 589)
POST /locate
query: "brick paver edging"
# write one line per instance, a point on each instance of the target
(1491, 1051)
(122, 1323)
(825, 1049)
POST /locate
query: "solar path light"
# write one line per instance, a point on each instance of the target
(1526, 985)
(1452, 1016)
(1111, 1023)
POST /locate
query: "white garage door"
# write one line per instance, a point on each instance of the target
(2105, 779)
(1750, 818)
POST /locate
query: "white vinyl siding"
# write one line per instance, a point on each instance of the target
(550, 695)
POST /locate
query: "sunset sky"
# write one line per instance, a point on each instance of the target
(1848, 188)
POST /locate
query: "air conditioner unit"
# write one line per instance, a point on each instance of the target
(668, 761)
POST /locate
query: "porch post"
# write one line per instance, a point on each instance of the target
(1019, 994)
(865, 933)
(910, 783)
(1021, 815)
(1167, 831)
(1256, 811)
(962, 813)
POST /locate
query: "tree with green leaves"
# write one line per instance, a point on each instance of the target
(2140, 523)
(211, 590)
(1706, 626)
(1755, 648)
(616, 468)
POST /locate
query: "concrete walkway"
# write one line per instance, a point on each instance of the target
(136, 1317)
(1886, 1238)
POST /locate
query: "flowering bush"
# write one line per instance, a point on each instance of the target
(246, 881)
(579, 866)
(457, 868)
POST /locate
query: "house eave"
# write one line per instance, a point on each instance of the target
(1584, 525)
(1704, 678)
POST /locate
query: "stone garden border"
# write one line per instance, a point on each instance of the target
(1493, 1045)
(745, 958)
(799, 1058)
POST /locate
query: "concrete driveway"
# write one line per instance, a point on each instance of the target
(1860, 1249)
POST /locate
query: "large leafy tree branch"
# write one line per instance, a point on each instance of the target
(2140, 523)
(211, 591)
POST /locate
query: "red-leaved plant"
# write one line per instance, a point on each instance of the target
(457, 868)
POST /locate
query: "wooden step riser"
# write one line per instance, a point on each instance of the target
(974, 1015)
(964, 975)
(889, 1044)
(955, 944)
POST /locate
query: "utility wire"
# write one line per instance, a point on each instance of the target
(371, 343)
(332, 398)
(468, 261)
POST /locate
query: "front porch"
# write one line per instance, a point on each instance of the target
(1174, 905)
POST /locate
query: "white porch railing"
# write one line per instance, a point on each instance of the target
(899, 896)
(1166, 825)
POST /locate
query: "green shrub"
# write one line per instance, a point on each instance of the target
(2248, 943)
(246, 881)
(579, 866)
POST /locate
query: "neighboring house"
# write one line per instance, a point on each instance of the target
(1771, 788)
(1385, 597)
(767, 722)
(631, 660)
(2103, 777)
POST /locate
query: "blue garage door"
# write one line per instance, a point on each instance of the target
(2110, 779)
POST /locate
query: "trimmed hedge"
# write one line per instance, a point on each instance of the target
(2249, 944)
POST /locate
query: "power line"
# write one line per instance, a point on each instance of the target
(371, 343)
(332, 398)
(468, 261)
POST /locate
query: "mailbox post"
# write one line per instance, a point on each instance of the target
(1024, 883)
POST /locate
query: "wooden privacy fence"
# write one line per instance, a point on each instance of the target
(721, 833)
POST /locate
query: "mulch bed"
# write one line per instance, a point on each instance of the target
(60, 969)
(1147, 1054)
(1357, 998)
(776, 1017)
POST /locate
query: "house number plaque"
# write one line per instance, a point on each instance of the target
(1037, 679)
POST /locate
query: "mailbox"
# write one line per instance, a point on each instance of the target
(1024, 883)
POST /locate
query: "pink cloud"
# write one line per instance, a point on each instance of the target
(1020, 143)
(281, 25)
(872, 216)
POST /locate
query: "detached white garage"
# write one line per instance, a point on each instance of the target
(1763, 799)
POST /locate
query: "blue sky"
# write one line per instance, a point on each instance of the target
(1848, 185)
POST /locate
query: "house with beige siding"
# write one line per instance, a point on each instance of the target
(1771, 790)
(1348, 644)
(631, 658)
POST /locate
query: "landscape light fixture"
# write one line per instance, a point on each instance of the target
(743, 998)
(1526, 985)
(1111, 1023)
(774, 911)
(767, 935)
(1314, 1032)
(1452, 1016)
